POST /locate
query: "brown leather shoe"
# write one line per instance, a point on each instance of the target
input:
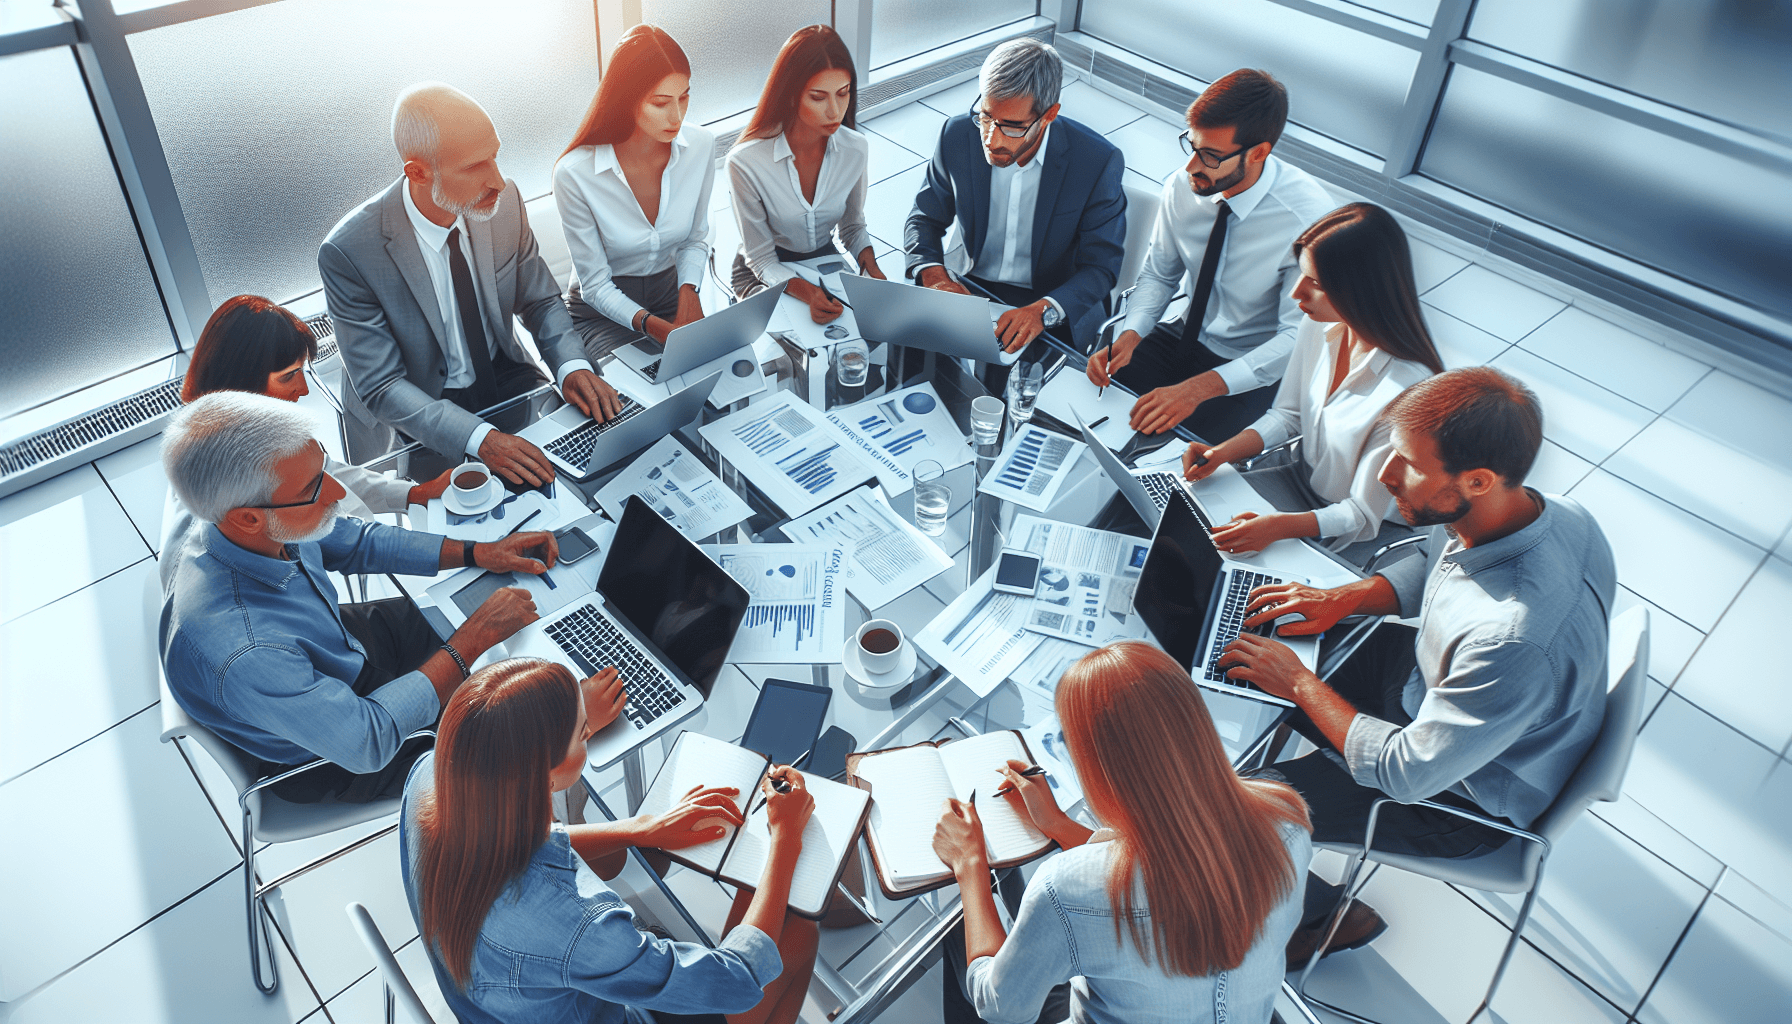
(1361, 926)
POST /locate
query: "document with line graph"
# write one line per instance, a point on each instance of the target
(887, 557)
(902, 428)
(790, 451)
(1033, 467)
(981, 636)
(797, 613)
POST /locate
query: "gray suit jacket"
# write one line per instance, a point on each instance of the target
(388, 320)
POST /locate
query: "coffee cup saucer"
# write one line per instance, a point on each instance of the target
(906, 659)
(493, 494)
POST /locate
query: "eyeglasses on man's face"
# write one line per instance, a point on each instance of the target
(1209, 159)
(316, 490)
(1013, 131)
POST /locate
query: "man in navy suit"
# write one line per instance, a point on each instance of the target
(1037, 198)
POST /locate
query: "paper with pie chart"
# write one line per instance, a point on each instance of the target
(797, 603)
(902, 428)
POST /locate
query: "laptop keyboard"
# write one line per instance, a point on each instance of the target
(575, 445)
(1162, 487)
(1231, 617)
(593, 642)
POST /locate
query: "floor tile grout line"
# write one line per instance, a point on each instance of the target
(89, 586)
(14, 778)
(1731, 604)
(1594, 811)
(1681, 940)
(235, 843)
(151, 545)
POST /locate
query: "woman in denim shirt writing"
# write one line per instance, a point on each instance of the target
(518, 926)
(1179, 909)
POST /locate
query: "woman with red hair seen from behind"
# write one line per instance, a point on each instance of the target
(1178, 909)
(518, 925)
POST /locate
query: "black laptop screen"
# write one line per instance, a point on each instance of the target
(1177, 581)
(673, 593)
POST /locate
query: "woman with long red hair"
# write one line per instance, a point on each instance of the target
(1178, 909)
(518, 925)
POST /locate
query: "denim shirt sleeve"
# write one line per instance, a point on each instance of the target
(614, 961)
(354, 546)
(277, 688)
(1010, 987)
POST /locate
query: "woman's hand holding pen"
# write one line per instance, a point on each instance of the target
(958, 839)
(786, 812)
(823, 308)
(1031, 796)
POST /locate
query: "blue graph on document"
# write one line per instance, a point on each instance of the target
(812, 470)
(778, 617)
(1020, 465)
(885, 420)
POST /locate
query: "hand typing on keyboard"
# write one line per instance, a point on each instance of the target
(1268, 663)
(591, 394)
(604, 698)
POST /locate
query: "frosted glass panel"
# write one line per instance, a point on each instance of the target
(731, 46)
(1340, 82)
(76, 296)
(903, 28)
(1701, 216)
(1727, 59)
(277, 119)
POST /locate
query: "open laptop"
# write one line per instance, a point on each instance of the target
(1149, 492)
(581, 447)
(714, 336)
(927, 318)
(1193, 598)
(664, 613)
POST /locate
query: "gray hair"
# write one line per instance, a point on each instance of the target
(1024, 67)
(415, 131)
(219, 451)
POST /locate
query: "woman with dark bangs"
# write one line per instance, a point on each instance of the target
(633, 191)
(1179, 908)
(800, 170)
(518, 925)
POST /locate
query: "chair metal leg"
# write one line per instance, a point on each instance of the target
(1524, 917)
(391, 1004)
(254, 902)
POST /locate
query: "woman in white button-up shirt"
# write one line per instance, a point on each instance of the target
(1363, 341)
(633, 191)
(800, 170)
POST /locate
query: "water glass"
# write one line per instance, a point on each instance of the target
(852, 361)
(986, 422)
(933, 498)
(1024, 382)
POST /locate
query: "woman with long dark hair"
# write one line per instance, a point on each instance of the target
(633, 191)
(1363, 341)
(518, 925)
(1179, 907)
(800, 170)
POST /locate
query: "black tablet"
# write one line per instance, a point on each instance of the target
(786, 719)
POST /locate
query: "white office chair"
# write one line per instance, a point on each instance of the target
(398, 988)
(1141, 213)
(550, 237)
(1518, 865)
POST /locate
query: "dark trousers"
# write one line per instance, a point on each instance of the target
(398, 640)
(1372, 680)
(513, 379)
(1162, 360)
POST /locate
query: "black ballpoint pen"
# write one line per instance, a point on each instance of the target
(1030, 773)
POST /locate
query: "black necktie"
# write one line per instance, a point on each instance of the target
(1210, 266)
(484, 391)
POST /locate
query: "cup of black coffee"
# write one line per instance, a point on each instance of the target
(470, 483)
(880, 645)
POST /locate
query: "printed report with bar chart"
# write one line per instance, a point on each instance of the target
(901, 429)
(790, 452)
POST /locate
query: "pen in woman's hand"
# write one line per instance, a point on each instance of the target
(1030, 773)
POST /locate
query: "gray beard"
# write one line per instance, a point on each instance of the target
(464, 210)
(279, 534)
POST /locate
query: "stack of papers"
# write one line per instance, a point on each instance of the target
(797, 613)
(982, 636)
(1069, 390)
(887, 557)
(1086, 581)
(793, 320)
(791, 452)
(1033, 467)
(679, 487)
(899, 430)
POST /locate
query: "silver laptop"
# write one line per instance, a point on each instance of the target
(581, 447)
(664, 614)
(927, 318)
(1148, 492)
(714, 336)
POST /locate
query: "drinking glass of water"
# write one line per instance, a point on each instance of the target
(1024, 382)
(852, 360)
(933, 498)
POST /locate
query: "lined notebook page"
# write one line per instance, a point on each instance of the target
(699, 760)
(971, 765)
(827, 839)
(908, 789)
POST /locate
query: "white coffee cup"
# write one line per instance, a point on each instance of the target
(882, 652)
(468, 491)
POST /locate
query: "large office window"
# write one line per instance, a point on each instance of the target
(277, 119)
(76, 296)
(730, 45)
(902, 28)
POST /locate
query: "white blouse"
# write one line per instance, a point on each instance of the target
(609, 234)
(1341, 440)
(771, 210)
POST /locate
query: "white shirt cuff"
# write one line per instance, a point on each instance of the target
(916, 275)
(477, 438)
(572, 366)
(1239, 376)
(1054, 304)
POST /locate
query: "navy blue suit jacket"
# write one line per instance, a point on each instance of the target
(1079, 226)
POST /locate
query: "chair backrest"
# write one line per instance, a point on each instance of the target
(550, 237)
(177, 724)
(390, 972)
(1601, 772)
(1141, 214)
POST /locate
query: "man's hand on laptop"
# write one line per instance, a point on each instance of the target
(515, 459)
(1017, 328)
(1270, 664)
(604, 698)
(936, 277)
(1320, 608)
(591, 394)
(496, 619)
(534, 552)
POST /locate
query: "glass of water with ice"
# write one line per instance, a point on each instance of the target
(1024, 382)
(852, 360)
(933, 498)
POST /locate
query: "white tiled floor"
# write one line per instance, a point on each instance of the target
(1673, 905)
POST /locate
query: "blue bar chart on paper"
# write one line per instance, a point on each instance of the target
(797, 596)
(790, 452)
(1033, 467)
(901, 429)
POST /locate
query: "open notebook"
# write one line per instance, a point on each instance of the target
(908, 787)
(739, 857)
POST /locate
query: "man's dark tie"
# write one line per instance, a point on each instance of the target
(484, 391)
(1210, 266)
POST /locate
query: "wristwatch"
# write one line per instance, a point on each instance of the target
(1051, 315)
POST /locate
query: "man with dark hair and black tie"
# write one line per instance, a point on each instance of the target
(1227, 222)
(423, 282)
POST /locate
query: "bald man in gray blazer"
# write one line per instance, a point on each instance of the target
(422, 281)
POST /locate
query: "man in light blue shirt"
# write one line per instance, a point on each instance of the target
(253, 642)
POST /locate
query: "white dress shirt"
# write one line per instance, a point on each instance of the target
(1251, 317)
(1341, 439)
(609, 234)
(1007, 254)
(432, 242)
(770, 208)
